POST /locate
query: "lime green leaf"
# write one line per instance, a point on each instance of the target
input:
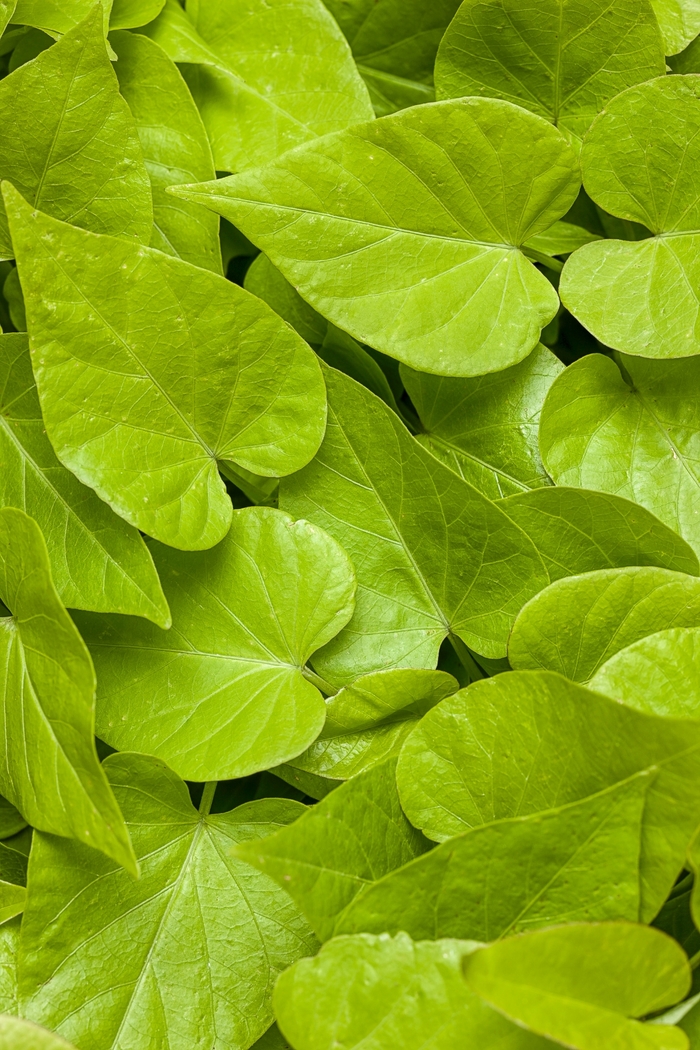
(485, 428)
(11, 821)
(266, 76)
(350, 839)
(658, 674)
(578, 623)
(97, 561)
(561, 238)
(524, 742)
(129, 13)
(579, 862)
(379, 993)
(69, 143)
(91, 933)
(562, 61)
(368, 721)
(406, 232)
(50, 769)
(381, 495)
(7, 10)
(640, 162)
(60, 16)
(115, 327)
(579, 984)
(23, 1035)
(679, 21)
(12, 900)
(9, 947)
(247, 615)
(630, 430)
(175, 148)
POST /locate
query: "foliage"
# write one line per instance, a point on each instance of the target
(349, 529)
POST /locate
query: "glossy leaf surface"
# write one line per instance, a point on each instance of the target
(406, 232)
(148, 317)
(56, 17)
(679, 21)
(658, 674)
(126, 14)
(223, 694)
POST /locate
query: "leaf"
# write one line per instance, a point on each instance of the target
(406, 232)
(115, 327)
(579, 530)
(640, 162)
(658, 674)
(7, 9)
(528, 741)
(247, 616)
(350, 839)
(12, 901)
(14, 856)
(272, 1040)
(579, 862)
(82, 161)
(267, 75)
(126, 14)
(60, 16)
(577, 624)
(23, 1035)
(9, 946)
(175, 148)
(485, 429)
(552, 982)
(49, 769)
(556, 59)
(11, 821)
(632, 433)
(240, 930)
(382, 495)
(368, 721)
(679, 21)
(562, 238)
(97, 561)
(394, 43)
(378, 993)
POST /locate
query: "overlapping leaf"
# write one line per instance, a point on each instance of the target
(679, 21)
(91, 933)
(223, 693)
(23, 1035)
(267, 75)
(640, 162)
(60, 16)
(117, 331)
(69, 142)
(563, 61)
(658, 673)
(48, 766)
(406, 232)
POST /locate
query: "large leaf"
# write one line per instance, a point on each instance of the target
(97, 561)
(679, 21)
(579, 984)
(580, 862)
(16, 1034)
(267, 75)
(49, 768)
(406, 232)
(394, 43)
(659, 673)
(117, 330)
(524, 742)
(60, 16)
(91, 934)
(432, 555)
(485, 428)
(640, 162)
(563, 61)
(175, 148)
(630, 430)
(69, 142)
(352, 838)
(578, 623)
(223, 693)
(578, 530)
(7, 9)
(129, 13)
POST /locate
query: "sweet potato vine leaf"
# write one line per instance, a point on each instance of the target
(23, 1035)
(406, 232)
(48, 767)
(116, 330)
(658, 673)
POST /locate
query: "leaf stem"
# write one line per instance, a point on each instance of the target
(546, 260)
(321, 684)
(466, 659)
(207, 797)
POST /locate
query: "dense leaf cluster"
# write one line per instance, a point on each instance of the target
(350, 402)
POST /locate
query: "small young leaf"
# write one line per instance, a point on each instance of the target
(114, 328)
(406, 232)
(127, 14)
(578, 623)
(560, 60)
(175, 148)
(659, 674)
(266, 76)
(579, 984)
(69, 142)
(49, 768)
(185, 957)
(247, 616)
(98, 562)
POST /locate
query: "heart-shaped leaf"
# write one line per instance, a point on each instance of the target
(658, 673)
